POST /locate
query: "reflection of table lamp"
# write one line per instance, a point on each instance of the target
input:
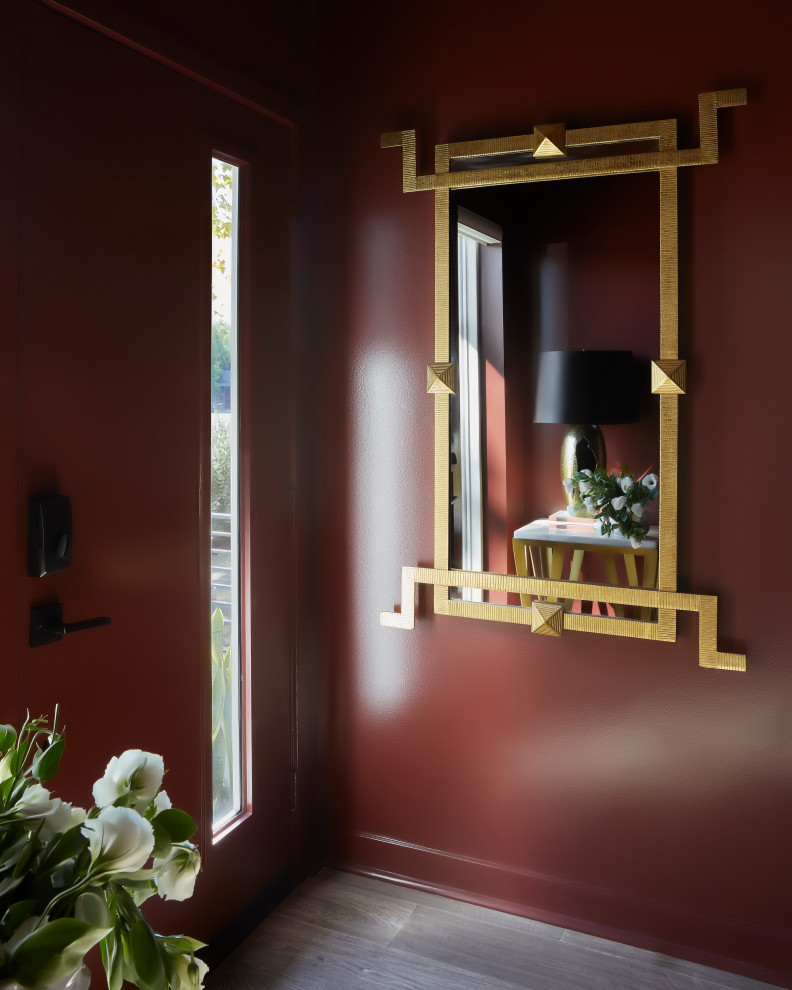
(584, 389)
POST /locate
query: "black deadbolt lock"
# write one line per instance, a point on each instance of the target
(49, 535)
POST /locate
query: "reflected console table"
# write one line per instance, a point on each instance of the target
(543, 547)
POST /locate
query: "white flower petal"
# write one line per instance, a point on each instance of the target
(61, 818)
(176, 874)
(133, 773)
(619, 502)
(120, 840)
(34, 803)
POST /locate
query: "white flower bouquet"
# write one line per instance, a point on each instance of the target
(617, 502)
(71, 878)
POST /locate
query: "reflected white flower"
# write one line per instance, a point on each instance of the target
(176, 874)
(120, 841)
(588, 472)
(135, 773)
(649, 481)
(619, 502)
(637, 510)
(584, 487)
(590, 504)
(626, 484)
(635, 542)
(569, 485)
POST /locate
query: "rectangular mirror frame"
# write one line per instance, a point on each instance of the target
(548, 146)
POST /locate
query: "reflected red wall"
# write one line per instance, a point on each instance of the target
(609, 785)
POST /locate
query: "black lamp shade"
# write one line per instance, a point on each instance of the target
(586, 387)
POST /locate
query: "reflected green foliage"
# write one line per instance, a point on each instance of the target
(617, 502)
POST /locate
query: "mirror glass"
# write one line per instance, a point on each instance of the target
(562, 265)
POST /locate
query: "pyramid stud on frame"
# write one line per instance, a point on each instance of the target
(669, 377)
(440, 379)
(550, 141)
(547, 618)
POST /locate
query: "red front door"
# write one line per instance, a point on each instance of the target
(109, 405)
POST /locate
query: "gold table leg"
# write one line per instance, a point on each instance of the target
(574, 574)
(556, 561)
(649, 581)
(613, 579)
(521, 565)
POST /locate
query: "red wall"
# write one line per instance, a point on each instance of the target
(608, 785)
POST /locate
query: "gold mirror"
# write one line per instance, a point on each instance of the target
(548, 281)
(469, 181)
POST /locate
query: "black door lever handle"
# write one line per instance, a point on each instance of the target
(47, 625)
(70, 627)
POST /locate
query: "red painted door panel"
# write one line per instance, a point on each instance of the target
(9, 100)
(113, 411)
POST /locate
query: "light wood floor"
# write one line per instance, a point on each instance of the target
(337, 931)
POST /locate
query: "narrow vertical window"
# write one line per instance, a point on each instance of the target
(227, 682)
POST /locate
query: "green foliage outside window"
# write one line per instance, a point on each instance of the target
(221, 466)
(222, 721)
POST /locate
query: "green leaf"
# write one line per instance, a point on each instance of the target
(18, 913)
(25, 853)
(146, 956)
(53, 952)
(179, 945)
(178, 824)
(8, 783)
(63, 847)
(127, 909)
(91, 908)
(140, 890)
(46, 761)
(113, 960)
(9, 884)
(162, 840)
(12, 852)
(8, 736)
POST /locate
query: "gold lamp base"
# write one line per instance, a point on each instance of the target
(583, 447)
